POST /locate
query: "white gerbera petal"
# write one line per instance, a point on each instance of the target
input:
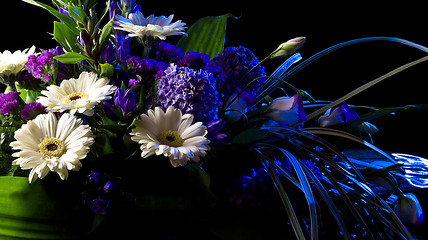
(13, 63)
(175, 137)
(77, 95)
(156, 27)
(47, 144)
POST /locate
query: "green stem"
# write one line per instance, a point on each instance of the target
(146, 52)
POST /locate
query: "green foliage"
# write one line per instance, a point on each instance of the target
(206, 35)
(71, 58)
(28, 212)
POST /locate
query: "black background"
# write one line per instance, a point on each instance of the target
(263, 25)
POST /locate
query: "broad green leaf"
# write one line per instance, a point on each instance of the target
(206, 35)
(71, 58)
(65, 37)
(28, 212)
(64, 18)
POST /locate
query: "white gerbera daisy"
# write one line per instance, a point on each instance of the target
(13, 63)
(47, 144)
(171, 134)
(77, 95)
(146, 29)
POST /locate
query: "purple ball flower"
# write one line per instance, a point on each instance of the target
(236, 62)
(190, 91)
(8, 102)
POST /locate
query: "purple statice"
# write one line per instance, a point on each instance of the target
(43, 66)
(28, 81)
(8, 102)
(99, 205)
(190, 91)
(236, 62)
(31, 111)
(133, 82)
(167, 53)
(146, 69)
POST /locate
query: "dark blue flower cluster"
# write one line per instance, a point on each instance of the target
(236, 62)
(104, 194)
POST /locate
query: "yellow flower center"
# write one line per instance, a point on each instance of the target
(170, 138)
(75, 96)
(52, 147)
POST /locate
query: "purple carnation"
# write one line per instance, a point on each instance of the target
(236, 62)
(190, 91)
(168, 53)
(8, 102)
(31, 110)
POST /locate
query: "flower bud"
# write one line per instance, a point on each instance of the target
(239, 105)
(287, 110)
(288, 48)
(409, 210)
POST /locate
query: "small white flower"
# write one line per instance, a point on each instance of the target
(13, 63)
(156, 27)
(171, 134)
(47, 144)
(77, 95)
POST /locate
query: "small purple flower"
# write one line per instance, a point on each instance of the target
(43, 66)
(31, 111)
(214, 127)
(100, 205)
(122, 46)
(133, 82)
(145, 69)
(95, 178)
(107, 54)
(339, 114)
(8, 102)
(124, 101)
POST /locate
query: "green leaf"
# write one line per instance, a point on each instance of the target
(71, 58)
(65, 37)
(28, 212)
(64, 18)
(105, 33)
(27, 95)
(206, 35)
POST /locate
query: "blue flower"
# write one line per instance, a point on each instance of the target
(124, 100)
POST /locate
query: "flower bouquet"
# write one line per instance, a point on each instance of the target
(117, 133)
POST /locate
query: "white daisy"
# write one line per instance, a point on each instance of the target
(153, 27)
(77, 95)
(47, 144)
(13, 63)
(171, 134)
